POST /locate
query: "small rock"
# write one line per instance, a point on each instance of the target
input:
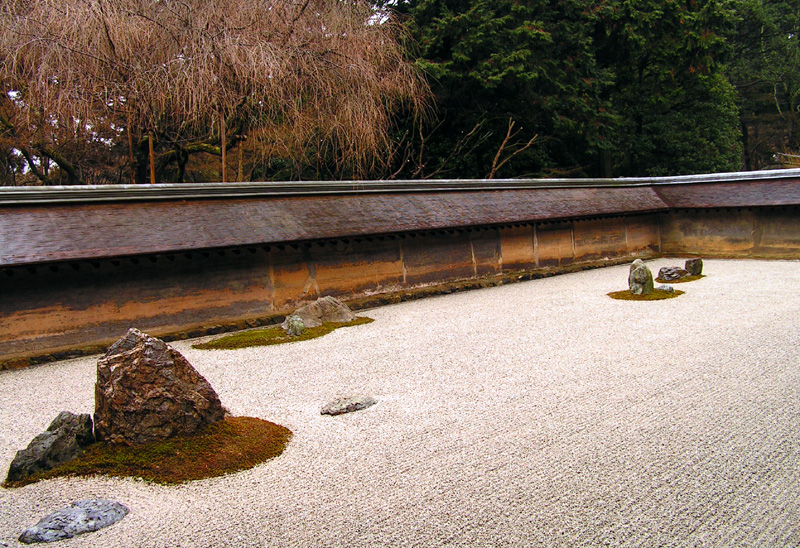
(80, 517)
(666, 288)
(295, 325)
(694, 267)
(66, 438)
(324, 309)
(640, 280)
(672, 273)
(347, 405)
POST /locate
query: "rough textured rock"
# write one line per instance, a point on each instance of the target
(347, 405)
(66, 438)
(666, 288)
(635, 264)
(324, 309)
(147, 391)
(640, 280)
(84, 516)
(672, 273)
(694, 266)
(295, 325)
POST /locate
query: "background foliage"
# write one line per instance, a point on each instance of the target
(515, 88)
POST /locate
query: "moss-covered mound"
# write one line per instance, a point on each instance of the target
(656, 295)
(681, 280)
(274, 335)
(231, 445)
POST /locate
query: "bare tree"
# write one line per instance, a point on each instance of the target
(200, 76)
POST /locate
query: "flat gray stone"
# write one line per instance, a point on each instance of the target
(672, 273)
(347, 405)
(80, 517)
(666, 288)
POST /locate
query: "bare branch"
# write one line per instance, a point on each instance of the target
(497, 163)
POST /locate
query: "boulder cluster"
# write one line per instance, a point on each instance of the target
(145, 391)
(324, 309)
(640, 278)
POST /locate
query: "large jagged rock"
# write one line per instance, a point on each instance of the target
(147, 391)
(640, 280)
(694, 266)
(85, 516)
(324, 309)
(66, 438)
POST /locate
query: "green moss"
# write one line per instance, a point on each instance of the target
(231, 445)
(274, 335)
(656, 295)
(682, 280)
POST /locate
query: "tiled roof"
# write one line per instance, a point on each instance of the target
(69, 224)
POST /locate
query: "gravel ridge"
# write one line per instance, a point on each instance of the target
(541, 413)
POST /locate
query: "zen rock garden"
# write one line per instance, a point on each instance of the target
(145, 392)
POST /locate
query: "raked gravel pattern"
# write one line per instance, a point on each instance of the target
(542, 413)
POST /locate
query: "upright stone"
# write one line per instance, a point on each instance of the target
(640, 280)
(147, 391)
(66, 438)
(694, 266)
(324, 309)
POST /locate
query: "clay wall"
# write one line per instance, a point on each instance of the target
(766, 232)
(78, 267)
(85, 305)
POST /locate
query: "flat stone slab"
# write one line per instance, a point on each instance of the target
(341, 406)
(80, 517)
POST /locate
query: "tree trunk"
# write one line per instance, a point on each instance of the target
(152, 160)
(223, 146)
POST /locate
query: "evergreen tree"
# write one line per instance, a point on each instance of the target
(611, 87)
(766, 72)
(676, 110)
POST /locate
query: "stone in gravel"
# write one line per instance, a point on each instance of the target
(147, 391)
(80, 517)
(635, 264)
(694, 267)
(672, 273)
(666, 288)
(66, 438)
(640, 280)
(324, 309)
(295, 325)
(340, 406)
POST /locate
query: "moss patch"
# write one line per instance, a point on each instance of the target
(682, 280)
(656, 295)
(231, 445)
(274, 335)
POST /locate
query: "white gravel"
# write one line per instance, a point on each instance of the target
(535, 414)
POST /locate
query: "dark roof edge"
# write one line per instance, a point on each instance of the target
(124, 193)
